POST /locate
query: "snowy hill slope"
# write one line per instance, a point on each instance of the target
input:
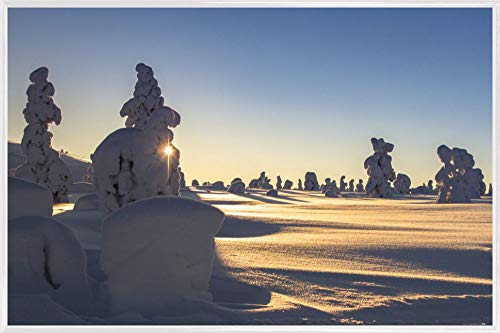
(77, 165)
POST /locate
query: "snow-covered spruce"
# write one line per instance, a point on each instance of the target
(402, 184)
(457, 179)
(45, 257)
(300, 185)
(182, 180)
(139, 162)
(288, 185)
(311, 182)
(158, 259)
(359, 186)
(343, 184)
(43, 165)
(351, 185)
(89, 175)
(262, 182)
(195, 182)
(278, 183)
(28, 199)
(237, 187)
(328, 182)
(379, 169)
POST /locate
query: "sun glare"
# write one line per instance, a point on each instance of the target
(168, 150)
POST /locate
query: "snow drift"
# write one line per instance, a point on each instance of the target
(158, 252)
(21, 192)
(45, 257)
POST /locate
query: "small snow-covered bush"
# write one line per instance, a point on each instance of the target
(87, 202)
(237, 187)
(45, 257)
(272, 193)
(159, 251)
(27, 198)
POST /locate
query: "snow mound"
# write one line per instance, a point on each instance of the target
(218, 185)
(159, 251)
(45, 257)
(332, 193)
(87, 202)
(272, 193)
(39, 310)
(21, 192)
(82, 187)
(237, 187)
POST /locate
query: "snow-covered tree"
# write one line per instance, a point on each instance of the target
(139, 161)
(43, 165)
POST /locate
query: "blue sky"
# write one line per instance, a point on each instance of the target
(281, 90)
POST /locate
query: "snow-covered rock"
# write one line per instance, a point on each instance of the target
(311, 182)
(87, 202)
(43, 165)
(45, 257)
(237, 187)
(139, 162)
(82, 187)
(288, 185)
(272, 193)
(159, 251)
(28, 199)
(379, 169)
(402, 184)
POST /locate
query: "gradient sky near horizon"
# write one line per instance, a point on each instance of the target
(281, 90)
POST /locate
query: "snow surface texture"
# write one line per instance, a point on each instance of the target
(28, 199)
(132, 163)
(43, 165)
(157, 259)
(45, 257)
(87, 202)
(311, 182)
(82, 187)
(458, 181)
(402, 184)
(379, 169)
(236, 187)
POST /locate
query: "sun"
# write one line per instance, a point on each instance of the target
(168, 150)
